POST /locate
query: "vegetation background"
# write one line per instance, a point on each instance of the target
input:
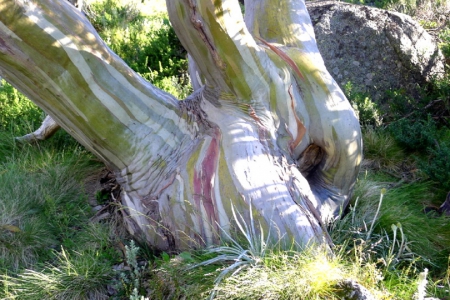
(60, 233)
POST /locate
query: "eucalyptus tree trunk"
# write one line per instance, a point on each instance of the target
(267, 132)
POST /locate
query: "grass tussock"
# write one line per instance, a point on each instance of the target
(36, 192)
(381, 151)
(72, 276)
(48, 247)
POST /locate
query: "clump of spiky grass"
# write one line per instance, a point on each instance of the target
(360, 231)
(73, 276)
(241, 255)
(254, 270)
(398, 237)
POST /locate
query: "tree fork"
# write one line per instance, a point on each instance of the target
(261, 112)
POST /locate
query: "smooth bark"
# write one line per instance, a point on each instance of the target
(47, 129)
(267, 127)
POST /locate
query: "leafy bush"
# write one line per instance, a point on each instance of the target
(437, 167)
(112, 14)
(399, 104)
(414, 135)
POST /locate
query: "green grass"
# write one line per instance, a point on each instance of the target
(72, 276)
(427, 234)
(40, 195)
(18, 114)
(49, 248)
(140, 33)
(309, 274)
(382, 152)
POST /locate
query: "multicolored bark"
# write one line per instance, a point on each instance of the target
(265, 110)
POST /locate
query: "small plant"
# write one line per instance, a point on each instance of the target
(398, 250)
(428, 24)
(444, 36)
(241, 256)
(383, 191)
(131, 280)
(422, 285)
(366, 110)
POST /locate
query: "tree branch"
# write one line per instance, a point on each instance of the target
(48, 128)
(320, 104)
(283, 22)
(51, 53)
(216, 37)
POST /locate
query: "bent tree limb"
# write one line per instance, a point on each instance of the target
(48, 127)
(45, 131)
(267, 127)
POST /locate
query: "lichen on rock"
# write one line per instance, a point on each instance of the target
(377, 50)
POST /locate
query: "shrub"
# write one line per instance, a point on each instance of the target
(377, 3)
(399, 104)
(414, 135)
(437, 167)
(130, 282)
(366, 110)
(444, 36)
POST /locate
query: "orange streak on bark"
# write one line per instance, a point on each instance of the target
(301, 129)
(284, 57)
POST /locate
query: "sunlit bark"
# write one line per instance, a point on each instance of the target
(267, 125)
(47, 129)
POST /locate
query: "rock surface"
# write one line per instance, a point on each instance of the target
(351, 290)
(375, 49)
